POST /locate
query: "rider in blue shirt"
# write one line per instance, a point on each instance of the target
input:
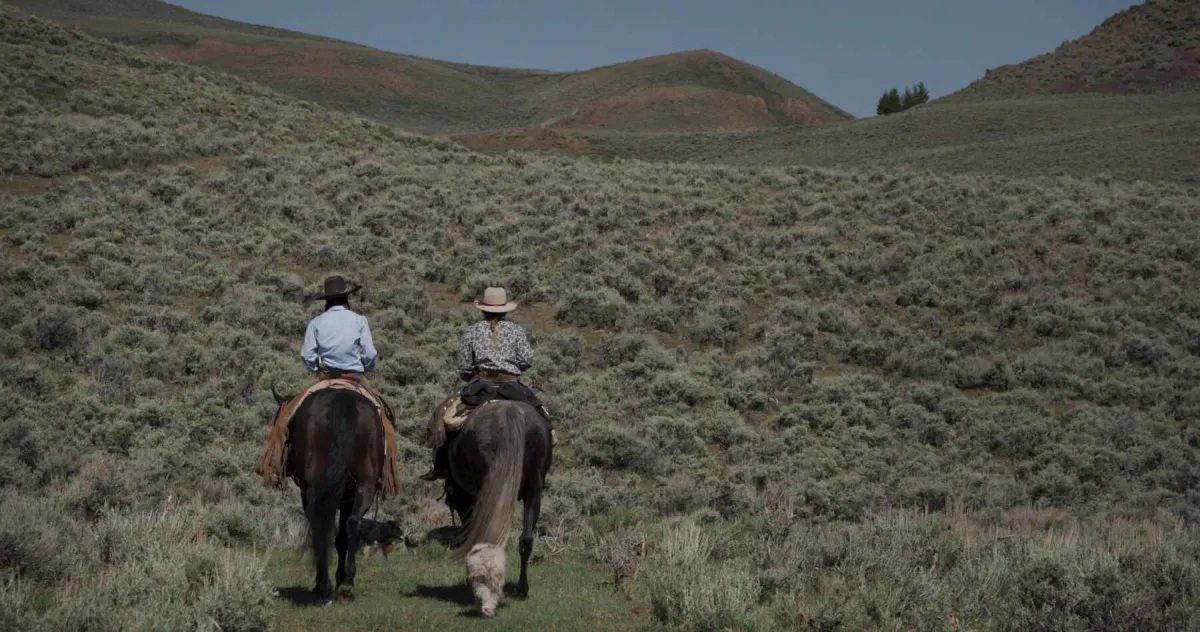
(338, 341)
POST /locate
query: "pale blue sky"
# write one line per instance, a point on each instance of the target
(845, 51)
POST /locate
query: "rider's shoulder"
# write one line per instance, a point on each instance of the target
(339, 314)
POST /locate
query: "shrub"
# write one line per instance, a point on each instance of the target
(607, 446)
(56, 329)
(687, 590)
(37, 544)
(594, 308)
(159, 560)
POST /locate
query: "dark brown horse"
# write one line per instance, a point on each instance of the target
(336, 455)
(500, 455)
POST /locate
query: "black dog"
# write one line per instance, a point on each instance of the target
(380, 535)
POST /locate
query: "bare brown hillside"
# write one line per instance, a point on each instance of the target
(1149, 47)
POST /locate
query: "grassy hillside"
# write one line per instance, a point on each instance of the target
(1042, 117)
(701, 106)
(691, 91)
(1149, 137)
(789, 398)
(1149, 47)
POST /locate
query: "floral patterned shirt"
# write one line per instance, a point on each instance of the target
(511, 353)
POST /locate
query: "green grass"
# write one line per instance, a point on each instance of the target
(426, 590)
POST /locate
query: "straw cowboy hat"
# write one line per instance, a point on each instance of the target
(495, 300)
(335, 287)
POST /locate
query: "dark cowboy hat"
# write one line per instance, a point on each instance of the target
(335, 287)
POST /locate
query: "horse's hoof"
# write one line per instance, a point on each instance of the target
(487, 613)
(346, 591)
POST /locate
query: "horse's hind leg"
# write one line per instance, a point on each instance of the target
(343, 538)
(352, 514)
(533, 508)
(318, 522)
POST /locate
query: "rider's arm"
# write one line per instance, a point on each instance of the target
(524, 352)
(368, 346)
(466, 357)
(308, 352)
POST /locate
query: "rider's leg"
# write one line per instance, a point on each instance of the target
(440, 466)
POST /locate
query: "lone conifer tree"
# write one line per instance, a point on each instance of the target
(920, 94)
(889, 103)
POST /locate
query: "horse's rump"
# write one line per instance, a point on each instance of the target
(500, 457)
(493, 459)
(273, 466)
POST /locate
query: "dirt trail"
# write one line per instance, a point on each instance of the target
(29, 185)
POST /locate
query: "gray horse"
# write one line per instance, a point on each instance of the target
(499, 456)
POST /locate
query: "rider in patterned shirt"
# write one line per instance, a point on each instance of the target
(494, 346)
(492, 349)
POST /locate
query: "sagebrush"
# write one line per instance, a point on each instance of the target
(793, 355)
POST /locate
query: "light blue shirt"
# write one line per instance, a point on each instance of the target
(338, 339)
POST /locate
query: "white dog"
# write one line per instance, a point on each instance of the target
(487, 567)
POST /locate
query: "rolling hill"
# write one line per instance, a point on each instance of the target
(684, 92)
(831, 399)
(701, 106)
(1150, 47)
(1148, 137)
(1120, 102)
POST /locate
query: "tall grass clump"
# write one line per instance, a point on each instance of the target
(128, 571)
(688, 589)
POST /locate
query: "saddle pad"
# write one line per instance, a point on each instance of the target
(455, 413)
(289, 409)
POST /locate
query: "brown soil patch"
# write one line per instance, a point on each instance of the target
(60, 242)
(25, 185)
(205, 164)
(206, 51)
(801, 111)
(20, 186)
(674, 109)
(309, 63)
(1149, 47)
(541, 318)
(536, 139)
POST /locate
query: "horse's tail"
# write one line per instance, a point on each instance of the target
(326, 493)
(491, 516)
